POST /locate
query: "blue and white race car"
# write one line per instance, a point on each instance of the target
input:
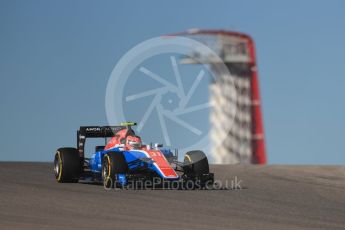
(125, 159)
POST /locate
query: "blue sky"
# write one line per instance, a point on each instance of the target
(56, 58)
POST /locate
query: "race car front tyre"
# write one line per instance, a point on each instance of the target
(196, 163)
(67, 165)
(113, 163)
(196, 170)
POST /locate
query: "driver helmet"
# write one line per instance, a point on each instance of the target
(133, 142)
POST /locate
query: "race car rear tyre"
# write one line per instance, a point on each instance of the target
(196, 163)
(67, 165)
(113, 163)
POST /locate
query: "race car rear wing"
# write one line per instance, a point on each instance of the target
(95, 132)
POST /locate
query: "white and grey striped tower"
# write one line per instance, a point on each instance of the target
(230, 117)
(235, 117)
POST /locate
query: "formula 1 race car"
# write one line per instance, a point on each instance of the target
(125, 159)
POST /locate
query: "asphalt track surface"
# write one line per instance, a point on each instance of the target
(272, 197)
